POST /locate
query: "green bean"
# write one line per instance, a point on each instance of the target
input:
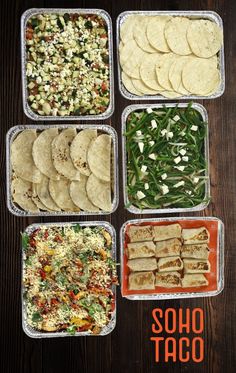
(166, 150)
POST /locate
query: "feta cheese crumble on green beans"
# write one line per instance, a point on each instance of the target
(172, 161)
(67, 64)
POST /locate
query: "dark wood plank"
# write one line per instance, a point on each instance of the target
(128, 348)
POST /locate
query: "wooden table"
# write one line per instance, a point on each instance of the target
(128, 348)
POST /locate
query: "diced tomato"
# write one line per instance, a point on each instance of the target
(104, 86)
(54, 302)
(74, 306)
(103, 36)
(58, 238)
(72, 294)
(33, 242)
(45, 234)
(42, 274)
(84, 328)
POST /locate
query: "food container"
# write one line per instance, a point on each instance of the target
(14, 131)
(34, 11)
(217, 259)
(39, 334)
(210, 15)
(136, 210)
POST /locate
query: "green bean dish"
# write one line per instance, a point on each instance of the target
(166, 165)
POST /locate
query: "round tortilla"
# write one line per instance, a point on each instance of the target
(126, 28)
(175, 74)
(155, 33)
(126, 51)
(99, 157)
(79, 148)
(21, 191)
(42, 191)
(139, 32)
(21, 156)
(170, 94)
(127, 81)
(36, 199)
(61, 154)
(176, 35)
(99, 193)
(205, 37)
(162, 70)
(148, 71)
(79, 195)
(42, 153)
(201, 76)
(139, 85)
(131, 67)
(60, 193)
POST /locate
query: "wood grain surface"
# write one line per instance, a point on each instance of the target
(128, 348)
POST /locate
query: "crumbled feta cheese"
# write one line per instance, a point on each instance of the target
(139, 133)
(181, 168)
(146, 186)
(144, 168)
(185, 158)
(177, 160)
(151, 143)
(149, 110)
(169, 135)
(153, 123)
(196, 180)
(165, 189)
(179, 184)
(141, 146)
(194, 128)
(189, 192)
(164, 176)
(39, 80)
(182, 151)
(182, 133)
(140, 194)
(163, 132)
(152, 156)
(176, 118)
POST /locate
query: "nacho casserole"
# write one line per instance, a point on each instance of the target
(68, 278)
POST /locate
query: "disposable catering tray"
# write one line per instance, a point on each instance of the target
(14, 131)
(35, 11)
(31, 332)
(135, 210)
(209, 15)
(216, 258)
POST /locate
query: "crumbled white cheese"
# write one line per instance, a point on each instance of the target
(196, 180)
(153, 123)
(177, 160)
(151, 143)
(169, 135)
(163, 132)
(149, 110)
(152, 156)
(176, 118)
(164, 176)
(182, 151)
(141, 146)
(146, 186)
(194, 128)
(179, 184)
(185, 158)
(181, 168)
(140, 194)
(189, 192)
(144, 168)
(165, 189)
(138, 133)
